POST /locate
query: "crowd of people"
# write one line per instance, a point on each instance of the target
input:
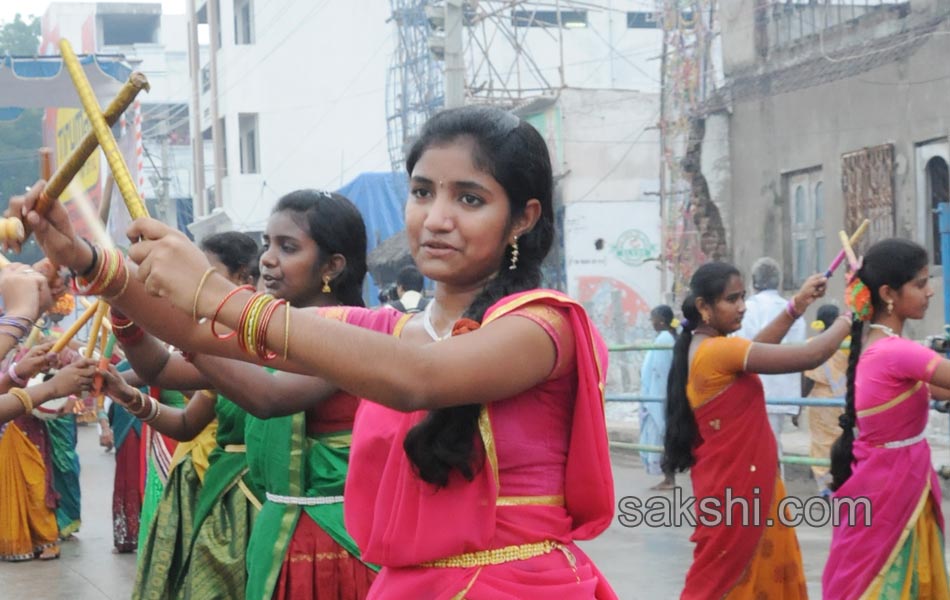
(324, 446)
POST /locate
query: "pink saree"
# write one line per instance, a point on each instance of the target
(546, 479)
(892, 468)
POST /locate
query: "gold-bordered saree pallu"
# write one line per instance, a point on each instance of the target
(738, 554)
(225, 510)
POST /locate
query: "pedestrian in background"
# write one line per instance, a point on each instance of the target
(653, 377)
(761, 309)
(830, 380)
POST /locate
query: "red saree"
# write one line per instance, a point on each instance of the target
(739, 554)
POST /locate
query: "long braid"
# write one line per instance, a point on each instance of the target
(445, 438)
(842, 451)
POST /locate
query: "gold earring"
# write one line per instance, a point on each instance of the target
(514, 255)
(890, 306)
(706, 319)
(326, 284)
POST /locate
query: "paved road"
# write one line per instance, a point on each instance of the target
(642, 563)
(87, 568)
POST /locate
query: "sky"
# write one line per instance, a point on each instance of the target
(9, 8)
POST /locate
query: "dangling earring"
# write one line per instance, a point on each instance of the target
(706, 319)
(326, 284)
(890, 306)
(514, 255)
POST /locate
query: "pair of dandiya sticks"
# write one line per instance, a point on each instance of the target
(13, 229)
(847, 250)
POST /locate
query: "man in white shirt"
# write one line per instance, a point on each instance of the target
(761, 309)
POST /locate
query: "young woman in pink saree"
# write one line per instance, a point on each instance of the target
(717, 427)
(898, 552)
(475, 464)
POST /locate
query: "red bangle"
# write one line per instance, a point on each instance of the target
(214, 319)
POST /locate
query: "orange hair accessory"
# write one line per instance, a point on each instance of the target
(65, 305)
(857, 297)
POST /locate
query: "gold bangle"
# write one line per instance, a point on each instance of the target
(201, 284)
(286, 330)
(24, 397)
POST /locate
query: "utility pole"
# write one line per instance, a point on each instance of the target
(171, 212)
(216, 135)
(197, 141)
(454, 61)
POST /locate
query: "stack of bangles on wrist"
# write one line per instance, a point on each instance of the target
(126, 331)
(24, 397)
(21, 324)
(255, 320)
(108, 276)
(148, 410)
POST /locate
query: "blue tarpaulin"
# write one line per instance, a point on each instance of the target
(381, 198)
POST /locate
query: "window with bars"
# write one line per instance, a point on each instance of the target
(791, 20)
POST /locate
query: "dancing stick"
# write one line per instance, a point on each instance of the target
(56, 183)
(848, 250)
(105, 356)
(120, 172)
(74, 328)
(855, 237)
(101, 308)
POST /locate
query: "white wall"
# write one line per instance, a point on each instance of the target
(609, 146)
(316, 77)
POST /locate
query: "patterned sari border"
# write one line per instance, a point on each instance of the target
(911, 523)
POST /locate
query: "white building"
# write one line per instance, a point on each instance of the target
(297, 92)
(156, 44)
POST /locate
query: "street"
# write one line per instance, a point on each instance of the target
(642, 563)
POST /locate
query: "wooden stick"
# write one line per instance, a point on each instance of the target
(123, 179)
(848, 250)
(74, 328)
(57, 181)
(105, 355)
(101, 308)
(67, 171)
(855, 238)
